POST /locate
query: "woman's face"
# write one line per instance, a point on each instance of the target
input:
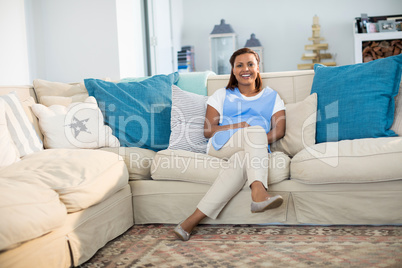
(245, 69)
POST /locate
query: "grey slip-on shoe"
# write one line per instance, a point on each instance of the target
(270, 203)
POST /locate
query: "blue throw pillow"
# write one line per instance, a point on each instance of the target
(137, 112)
(356, 101)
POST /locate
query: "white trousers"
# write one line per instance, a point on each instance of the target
(247, 155)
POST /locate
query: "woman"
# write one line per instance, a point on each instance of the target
(241, 121)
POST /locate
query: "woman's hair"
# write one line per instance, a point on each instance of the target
(233, 83)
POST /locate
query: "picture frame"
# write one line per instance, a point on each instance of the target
(398, 25)
(372, 27)
(386, 26)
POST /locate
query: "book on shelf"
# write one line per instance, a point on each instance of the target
(185, 59)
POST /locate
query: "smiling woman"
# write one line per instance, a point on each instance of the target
(241, 121)
(245, 72)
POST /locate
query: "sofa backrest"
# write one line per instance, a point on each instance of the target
(23, 92)
(292, 86)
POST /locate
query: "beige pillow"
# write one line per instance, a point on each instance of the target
(56, 100)
(300, 126)
(43, 88)
(397, 125)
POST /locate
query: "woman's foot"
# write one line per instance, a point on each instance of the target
(184, 228)
(269, 203)
(258, 192)
(261, 200)
(181, 233)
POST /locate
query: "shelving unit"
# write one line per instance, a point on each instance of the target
(359, 38)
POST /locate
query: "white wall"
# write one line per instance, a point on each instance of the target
(14, 66)
(177, 22)
(75, 39)
(132, 56)
(283, 27)
(67, 41)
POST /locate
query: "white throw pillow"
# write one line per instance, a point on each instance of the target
(8, 151)
(300, 126)
(21, 129)
(79, 125)
(187, 121)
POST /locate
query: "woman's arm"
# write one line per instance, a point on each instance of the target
(278, 121)
(211, 124)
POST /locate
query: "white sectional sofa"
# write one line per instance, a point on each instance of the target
(345, 182)
(95, 195)
(59, 206)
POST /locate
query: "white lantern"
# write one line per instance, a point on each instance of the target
(254, 44)
(222, 44)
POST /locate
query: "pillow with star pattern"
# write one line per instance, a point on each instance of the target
(78, 125)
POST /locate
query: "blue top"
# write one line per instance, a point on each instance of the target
(237, 109)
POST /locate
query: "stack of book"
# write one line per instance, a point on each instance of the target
(185, 59)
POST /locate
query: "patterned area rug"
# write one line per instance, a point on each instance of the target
(254, 246)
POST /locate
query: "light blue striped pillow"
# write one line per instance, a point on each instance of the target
(21, 129)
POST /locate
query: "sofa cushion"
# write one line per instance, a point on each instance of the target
(8, 151)
(349, 161)
(202, 168)
(187, 121)
(79, 125)
(74, 92)
(28, 210)
(21, 129)
(137, 112)
(81, 177)
(356, 101)
(300, 126)
(138, 161)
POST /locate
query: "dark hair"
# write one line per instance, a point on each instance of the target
(233, 83)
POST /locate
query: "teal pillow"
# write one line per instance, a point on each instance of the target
(137, 112)
(134, 79)
(195, 82)
(356, 101)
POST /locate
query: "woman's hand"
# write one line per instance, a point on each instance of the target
(211, 124)
(240, 125)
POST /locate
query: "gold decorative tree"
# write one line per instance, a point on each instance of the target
(315, 55)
